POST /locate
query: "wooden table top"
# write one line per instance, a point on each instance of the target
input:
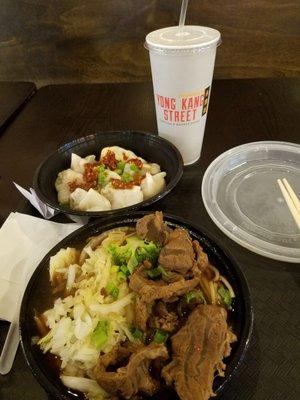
(13, 96)
(241, 111)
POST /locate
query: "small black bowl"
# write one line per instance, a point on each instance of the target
(152, 148)
(38, 298)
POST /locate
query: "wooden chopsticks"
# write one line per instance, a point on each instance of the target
(291, 199)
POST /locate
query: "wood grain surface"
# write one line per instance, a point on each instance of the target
(65, 41)
(240, 111)
(13, 97)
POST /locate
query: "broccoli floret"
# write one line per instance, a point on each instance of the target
(149, 251)
(134, 252)
(120, 254)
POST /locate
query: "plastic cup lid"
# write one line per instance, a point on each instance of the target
(241, 194)
(187, 37)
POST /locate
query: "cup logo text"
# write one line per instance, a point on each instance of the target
(185, 109)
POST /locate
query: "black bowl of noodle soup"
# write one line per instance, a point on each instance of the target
(39, 297)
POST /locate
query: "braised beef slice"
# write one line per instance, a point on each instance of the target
(171, 277)
(152, 228)
(142, 314)
(148, 291)
(139, 279)
(163, 319)
(167, 292)
(197, 352)
(201, 263)
(118, 353)
(178, 254)
(133, 378)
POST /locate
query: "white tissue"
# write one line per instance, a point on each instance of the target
(24, 241)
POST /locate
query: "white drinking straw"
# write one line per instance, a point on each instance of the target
(184, 6)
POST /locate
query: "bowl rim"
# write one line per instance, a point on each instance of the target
(108, 223)
(153, 137)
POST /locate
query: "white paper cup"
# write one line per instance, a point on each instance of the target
(182, 64)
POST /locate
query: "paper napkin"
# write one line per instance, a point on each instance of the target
(24, 241)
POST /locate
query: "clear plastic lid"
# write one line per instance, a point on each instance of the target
(242, 196)
(187, 37)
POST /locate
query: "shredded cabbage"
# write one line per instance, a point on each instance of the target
(71, 276)
(115, 307)
(73, 320)
(88, 386)
(62, 260)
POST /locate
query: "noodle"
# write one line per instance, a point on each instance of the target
(216, 292)
(210, 286)
(206, 288)
(212, 292)
(227, 284)
(216, 271)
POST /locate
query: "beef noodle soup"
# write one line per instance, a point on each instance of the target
(136, 311)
